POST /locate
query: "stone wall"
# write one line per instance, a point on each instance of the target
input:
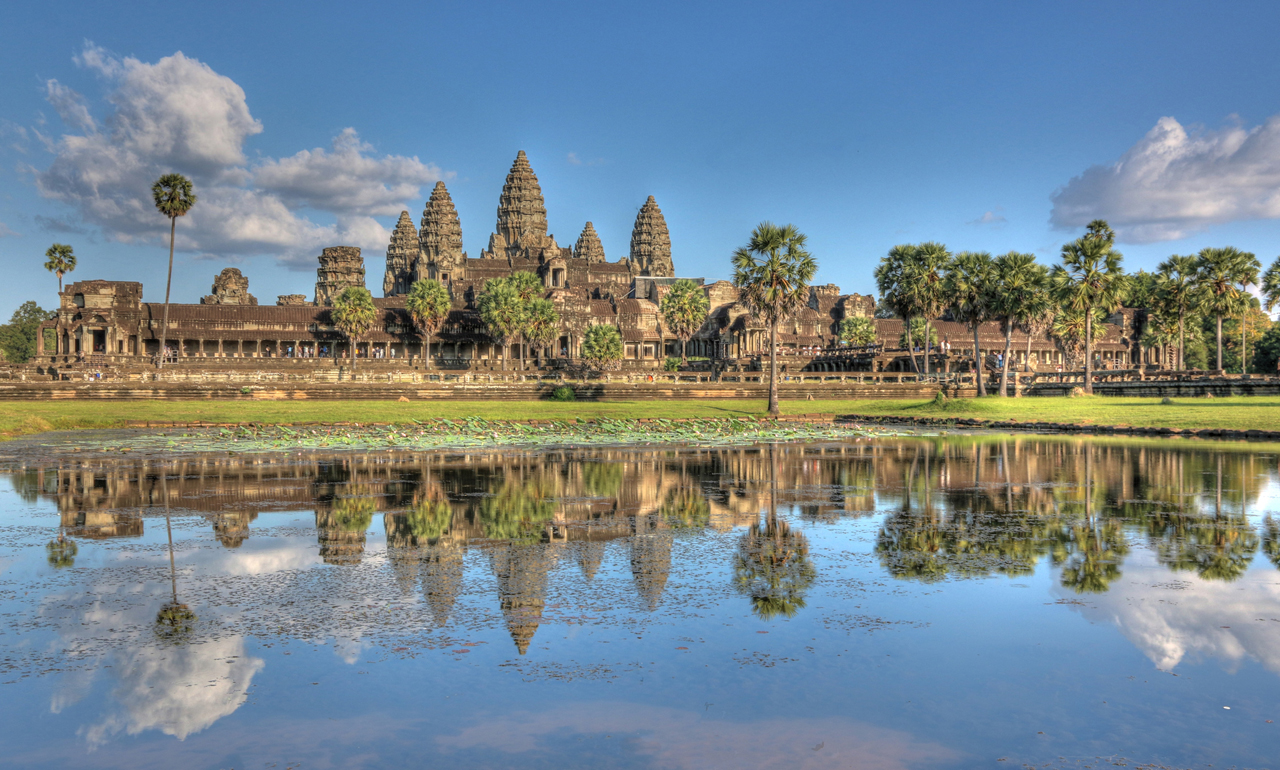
(340, 267)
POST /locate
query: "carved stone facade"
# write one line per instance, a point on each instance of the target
(440, 254)
(521, 232)
(401, 256)
(340, 267)
(588, 246)
(651, 242)
(230, 288)
(110, 318)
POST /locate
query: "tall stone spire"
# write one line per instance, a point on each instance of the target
(401, 255)
(520, 208)
(522, 217)
(441, 232)
(651, 243)
(440, 251)
(588, 246)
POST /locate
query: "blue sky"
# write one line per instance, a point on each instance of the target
(988, 126)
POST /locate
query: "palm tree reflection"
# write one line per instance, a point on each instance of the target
(772, 565)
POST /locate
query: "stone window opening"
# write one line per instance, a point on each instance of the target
(557, 277)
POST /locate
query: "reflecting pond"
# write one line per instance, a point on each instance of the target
(979, 601)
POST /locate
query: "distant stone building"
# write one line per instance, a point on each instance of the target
(108, 322)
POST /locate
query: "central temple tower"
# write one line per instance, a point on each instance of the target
(521, 232)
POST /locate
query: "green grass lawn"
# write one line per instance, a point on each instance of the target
(1244, 412)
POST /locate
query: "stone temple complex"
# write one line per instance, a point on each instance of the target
(107, 323)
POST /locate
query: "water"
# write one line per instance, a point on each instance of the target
(894, 603)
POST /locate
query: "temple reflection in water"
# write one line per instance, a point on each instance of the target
(952, 508)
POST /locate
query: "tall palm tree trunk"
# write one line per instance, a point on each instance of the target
(1008, 348)
(773, 368)
(684, 351)
(1244, 353)
(1088, 351)
(355, 352)
(977, 362)
(1182, 344)
(1219, 321)
(426, 351)
(911, 346)
(505, 349)
(164, 329)
(926, 345)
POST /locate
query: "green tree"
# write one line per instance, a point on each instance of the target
(542, 323)
(925, 275)
(684, 309)
(1177, 294)
(503, 312)
(354, 315)
(858, 332)
(602, 346)
(1271, 286)
(1069, 328)
(1142, 290)
(895, 296)
(971, 288)
(1039, 310)
(528, 287)
(428, 304)
(1252, 326)
(1219, 272)
(773, 272)
(61, 261)
(1266, 353)
(1090, 278)
(18, 337)
(174, 197)
(915, 334)
(1018, 278)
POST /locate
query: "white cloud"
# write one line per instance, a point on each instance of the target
(70, 106)
(989, 218)
(1227, 622)
(346, 180)
(5, 232)
(178, 114)
(1173, 183)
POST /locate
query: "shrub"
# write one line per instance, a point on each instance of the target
(564, 393)
(671, 364)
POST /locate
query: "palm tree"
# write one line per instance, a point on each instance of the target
(542, 323)
(528, 287)
(1177, 293)
(925, 273)
(1271, 286)
(61, 261)
(970, 293)
(772, 565)
(428, 304)
(891, 282)
(354, 314)
(773, 272)
(602, 346)
(1089, 278)
(174, 197)
(684, 309)
(858, 331)
(503, 312)
(1018, 277)
(1040, 309)
(1219, 272)
(1246, 276)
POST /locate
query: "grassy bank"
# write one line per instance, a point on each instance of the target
(1239, 413)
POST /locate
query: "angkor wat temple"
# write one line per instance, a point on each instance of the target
(107, 323)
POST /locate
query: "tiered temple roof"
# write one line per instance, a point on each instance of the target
(651, 242)
(588, 246)
(401, 256)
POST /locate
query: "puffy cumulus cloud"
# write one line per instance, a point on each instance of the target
(1174, 182)
(1208, 620)
(178, 114)
(346, 180)
(70, 106)
(993, 217)
(178, 690)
